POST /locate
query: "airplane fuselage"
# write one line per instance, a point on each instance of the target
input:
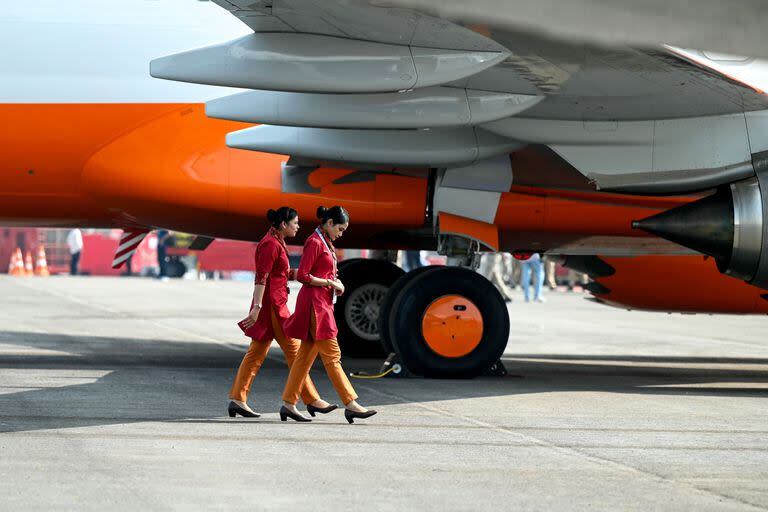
(88, 138)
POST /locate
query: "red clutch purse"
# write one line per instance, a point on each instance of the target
(246, 330)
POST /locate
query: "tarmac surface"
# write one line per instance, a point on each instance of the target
(113, 394)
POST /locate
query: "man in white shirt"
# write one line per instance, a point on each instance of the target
(75, 243)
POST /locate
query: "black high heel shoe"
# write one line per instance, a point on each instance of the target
(351, 415)
(312, 410)
(233, 409)
(285, 414)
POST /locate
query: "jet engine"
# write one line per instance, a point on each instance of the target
(731, 225)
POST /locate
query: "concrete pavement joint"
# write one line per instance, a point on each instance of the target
(347, 440)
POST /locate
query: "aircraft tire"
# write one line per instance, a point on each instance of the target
(344, 263)
(366, 283)
(449, 323)
(385, 336)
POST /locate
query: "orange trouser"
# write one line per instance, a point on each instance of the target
(254, 358)
(331, 356)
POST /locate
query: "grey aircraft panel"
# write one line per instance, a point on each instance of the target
(583, 82)
(734, 26)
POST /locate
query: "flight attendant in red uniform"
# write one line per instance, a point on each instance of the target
(268, 313)
(313, 320)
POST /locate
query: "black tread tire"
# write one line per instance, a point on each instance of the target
(413, 299)
(386, 307)
(357, 272)
(344, 263)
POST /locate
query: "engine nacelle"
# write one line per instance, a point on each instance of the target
(689, 284)
(731, 225)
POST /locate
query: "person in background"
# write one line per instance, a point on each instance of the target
(75, 244)
(550, 271)
(513, 271)
(162, 243)
(576, 278)
(128, 267)
(492, 266)
(533, 265)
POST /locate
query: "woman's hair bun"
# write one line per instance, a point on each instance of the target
(283, 214)
(337, 214)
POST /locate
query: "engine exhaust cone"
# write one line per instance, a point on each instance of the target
(705, 225)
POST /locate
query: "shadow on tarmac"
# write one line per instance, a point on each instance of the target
(140, 380)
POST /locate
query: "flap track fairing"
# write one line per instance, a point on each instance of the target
(432, 148)
(430, 107)
(321, 64)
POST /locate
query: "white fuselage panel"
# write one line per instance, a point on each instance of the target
(92, 51)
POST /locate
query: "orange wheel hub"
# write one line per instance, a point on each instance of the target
(452, 326)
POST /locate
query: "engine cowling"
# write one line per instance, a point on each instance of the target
(689, 284)
(731, 225)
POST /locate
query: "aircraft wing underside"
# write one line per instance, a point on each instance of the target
(347, 81)
(580, 81)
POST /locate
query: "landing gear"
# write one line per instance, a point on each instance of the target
(357, 311)
(446, 322)
(385, 335)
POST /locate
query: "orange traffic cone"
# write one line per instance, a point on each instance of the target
(41, 265)
(12, 264)
(16, 268)
(28, 268)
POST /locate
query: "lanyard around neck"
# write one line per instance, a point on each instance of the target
(325, 242)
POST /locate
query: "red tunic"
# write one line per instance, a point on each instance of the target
(318, 261)
(273, 271)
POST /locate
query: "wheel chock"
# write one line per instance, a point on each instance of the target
(497, 369)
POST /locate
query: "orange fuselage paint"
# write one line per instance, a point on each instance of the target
(167, 165)
(452, 326)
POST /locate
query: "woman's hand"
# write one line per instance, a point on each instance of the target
(250, 320)
(337, 285)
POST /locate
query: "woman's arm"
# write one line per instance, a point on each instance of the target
(308, 258)
(253, 314)
(265, 260)
(316, 281)
(258, 294)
